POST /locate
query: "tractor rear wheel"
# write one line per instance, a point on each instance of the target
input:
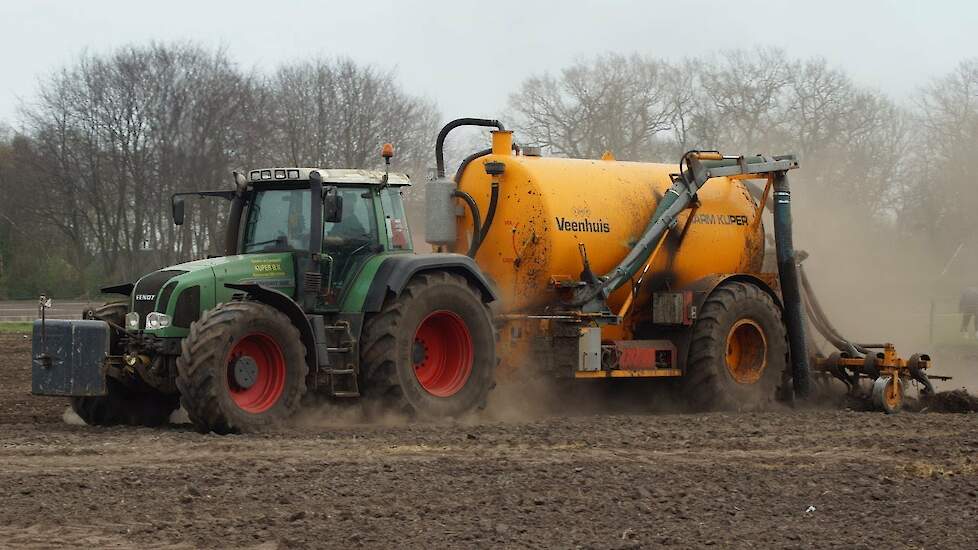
(242, 368)
(738, 350)
(432, 348)
(121, 404)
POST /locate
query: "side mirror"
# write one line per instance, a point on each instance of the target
(332, 207)
(176, 203)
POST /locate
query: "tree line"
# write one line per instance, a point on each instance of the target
(87, 171)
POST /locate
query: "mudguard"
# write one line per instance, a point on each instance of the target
(67, 357)
(702, 288)
(291, 309)
(396, 271)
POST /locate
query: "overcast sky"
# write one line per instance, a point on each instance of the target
(469, 55)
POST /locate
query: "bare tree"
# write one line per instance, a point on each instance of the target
(940, 199)
(740, 100)
(113, 136)
(612, 102)
(85, 182)
(852, 141)
(335, 113)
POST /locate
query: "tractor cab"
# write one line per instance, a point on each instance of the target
(330, 222)
(361, 213)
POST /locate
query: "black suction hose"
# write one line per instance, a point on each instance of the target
(440, 140)
(821, 321)
(491, 213)
(469, 159)
(837, 341)
(825, 327)
(794, 314)
(493, 196)
(476, 221)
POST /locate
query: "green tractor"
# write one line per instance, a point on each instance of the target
(319, 292)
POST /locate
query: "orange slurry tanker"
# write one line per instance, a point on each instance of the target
(608, 269)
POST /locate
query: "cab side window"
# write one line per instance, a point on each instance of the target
(398, 234)
(358, 220)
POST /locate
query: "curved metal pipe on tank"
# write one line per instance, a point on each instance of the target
(443, 133)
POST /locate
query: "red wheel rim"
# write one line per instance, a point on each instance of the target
(442, 353)
(269, 372)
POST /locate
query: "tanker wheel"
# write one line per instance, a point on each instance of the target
(738, 350)
(431, 349)
(888, 394)
(242, 368)
(122, 404)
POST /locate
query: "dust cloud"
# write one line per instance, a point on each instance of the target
(880, 283)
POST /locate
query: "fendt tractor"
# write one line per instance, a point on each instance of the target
(571, 268)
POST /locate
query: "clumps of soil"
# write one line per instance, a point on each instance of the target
(955, 401)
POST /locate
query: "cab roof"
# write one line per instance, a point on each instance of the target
(330, 175)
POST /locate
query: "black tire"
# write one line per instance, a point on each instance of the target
(122, 405)
(125, 406)
(250, 335)
(738, 350)
(431, 349)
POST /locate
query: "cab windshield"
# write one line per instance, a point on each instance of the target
(278, 219)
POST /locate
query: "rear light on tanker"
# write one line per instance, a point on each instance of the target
(293, 174)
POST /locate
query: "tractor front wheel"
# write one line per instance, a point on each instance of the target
(433, 347)
(242, 368)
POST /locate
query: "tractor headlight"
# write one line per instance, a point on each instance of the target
(132, 320)
(156, 320)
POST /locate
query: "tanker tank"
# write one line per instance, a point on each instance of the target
(549, 206)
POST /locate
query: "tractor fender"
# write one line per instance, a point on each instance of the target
(396, 271)
(290, 308)
(704, 287)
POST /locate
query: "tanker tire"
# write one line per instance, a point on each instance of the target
(203, 376)
(122, 405)
(708, 383)
(389, 346)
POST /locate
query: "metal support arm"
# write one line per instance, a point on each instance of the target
(701, 166)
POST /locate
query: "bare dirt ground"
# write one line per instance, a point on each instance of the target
(795, 479)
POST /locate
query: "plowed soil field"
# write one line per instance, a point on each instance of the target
(634, 479)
